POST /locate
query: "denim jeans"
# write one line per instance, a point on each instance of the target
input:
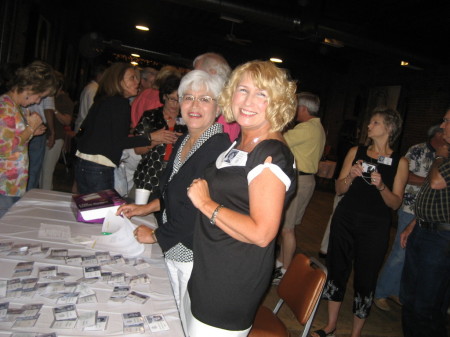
(6, 202)
(92, 177)
(390, 276)
(36, 152)
(424, 290)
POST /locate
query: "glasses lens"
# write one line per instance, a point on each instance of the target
(188, 98)
(205, 99)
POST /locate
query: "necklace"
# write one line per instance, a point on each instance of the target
(379, 154)
(251, 144)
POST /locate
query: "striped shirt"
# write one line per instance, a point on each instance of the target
(434, 205)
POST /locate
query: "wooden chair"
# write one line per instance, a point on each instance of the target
(301, 288)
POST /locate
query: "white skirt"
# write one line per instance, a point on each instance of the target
(199, 329)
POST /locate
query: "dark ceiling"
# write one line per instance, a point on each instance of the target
(369, 31)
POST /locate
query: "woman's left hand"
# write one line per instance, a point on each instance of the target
(143, 234)
(375, 179)
(198, 192)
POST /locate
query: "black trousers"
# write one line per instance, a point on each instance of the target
(357, 240)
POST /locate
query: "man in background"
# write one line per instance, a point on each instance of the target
(87, 96)
(425, 285)
(37, 145)
(420, 158)
(215, 64)
(148, 75)
(306, 141)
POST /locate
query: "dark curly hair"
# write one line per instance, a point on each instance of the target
(168, 86)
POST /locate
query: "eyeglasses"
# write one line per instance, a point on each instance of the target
(202, 99)
(173, 100)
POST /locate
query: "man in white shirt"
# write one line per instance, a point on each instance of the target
(87, 96)
(36, 147)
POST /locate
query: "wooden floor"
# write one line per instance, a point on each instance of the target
(309, 235)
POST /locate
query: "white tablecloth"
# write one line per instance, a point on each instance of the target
(40, 208)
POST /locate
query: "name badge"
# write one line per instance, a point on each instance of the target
(385, 160)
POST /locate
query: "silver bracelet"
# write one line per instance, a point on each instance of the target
(212, 220)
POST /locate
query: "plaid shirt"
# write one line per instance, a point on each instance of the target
(434, 205)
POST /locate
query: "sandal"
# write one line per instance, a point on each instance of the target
(322, 333)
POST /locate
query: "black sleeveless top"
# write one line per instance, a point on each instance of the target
(362, 197)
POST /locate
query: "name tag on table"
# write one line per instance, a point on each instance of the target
(54, 232)
(67, 312)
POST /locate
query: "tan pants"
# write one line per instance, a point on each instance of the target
(303, 194)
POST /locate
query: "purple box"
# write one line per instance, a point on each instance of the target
(93, 207)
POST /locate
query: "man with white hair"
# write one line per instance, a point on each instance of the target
(148, 76)
(215, 64)
(306, 141)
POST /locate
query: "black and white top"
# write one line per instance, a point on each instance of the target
(176, 225)
(230, 277)
(362, 196)
(180, 252)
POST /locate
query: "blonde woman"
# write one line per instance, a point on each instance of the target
(241, 201)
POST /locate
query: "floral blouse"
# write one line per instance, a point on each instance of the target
(420, 157)
(13, 155)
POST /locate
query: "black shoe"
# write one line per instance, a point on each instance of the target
(277, 274)
(322, 255)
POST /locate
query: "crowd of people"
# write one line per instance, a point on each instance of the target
(226, 161)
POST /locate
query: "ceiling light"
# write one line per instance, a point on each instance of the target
(276, 60)
(134, 63)
(406, 64)
(333, 42)
(135, 55)
(144, 28)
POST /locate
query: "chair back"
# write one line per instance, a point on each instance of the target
(301, 288)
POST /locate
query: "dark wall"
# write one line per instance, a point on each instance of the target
(33, 29)
(424, 98)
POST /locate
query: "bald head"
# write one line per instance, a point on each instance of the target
(213, 63)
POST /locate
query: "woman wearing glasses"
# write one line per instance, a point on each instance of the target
(191, 154)
(164, 128)
(241, 200)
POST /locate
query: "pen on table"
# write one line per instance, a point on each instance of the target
(106, 233)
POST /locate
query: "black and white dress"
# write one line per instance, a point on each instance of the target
(230, 277)
(359, 235)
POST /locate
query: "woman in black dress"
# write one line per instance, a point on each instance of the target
(372, 180)
(241, 200)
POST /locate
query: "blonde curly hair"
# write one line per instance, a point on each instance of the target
(266, 76)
